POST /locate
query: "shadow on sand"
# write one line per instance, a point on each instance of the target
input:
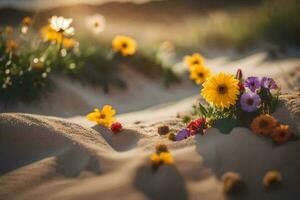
(126, 140)
(252, 156)
(165, 183)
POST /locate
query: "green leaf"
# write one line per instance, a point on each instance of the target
(226, 125)
(202, 110)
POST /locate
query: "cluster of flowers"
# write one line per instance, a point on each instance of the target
(196, 64)
(197, 126)
(27, 61)
(267, 125)
(105, 117)
(162, 156)
(234, 101)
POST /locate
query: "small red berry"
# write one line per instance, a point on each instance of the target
(116, 127)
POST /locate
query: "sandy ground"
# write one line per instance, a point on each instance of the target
(45, 157)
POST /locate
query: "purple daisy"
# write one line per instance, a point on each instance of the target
(268, 83)
(253, 83)
(183, 134)
(250, 101)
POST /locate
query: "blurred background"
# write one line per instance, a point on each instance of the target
(188, 23)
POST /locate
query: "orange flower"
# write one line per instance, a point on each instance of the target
(281, 134)
(11, 45)
(263, 124)
(27, 21)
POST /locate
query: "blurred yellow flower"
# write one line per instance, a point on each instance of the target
(69, 43)
(166, 158)
(27, 21)
(162, 158)
(48, 34)
(194, 59)
(199, 73)
(11, 45)
(221, 90)
(62, 25)
(125, 45)
(104, 117)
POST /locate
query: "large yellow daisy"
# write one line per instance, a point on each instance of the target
(124, 44)
(199, 73)
(104, 117)
(221, 90)
(194, 59)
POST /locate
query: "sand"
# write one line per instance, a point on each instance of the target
(68, 157)
(51, 158)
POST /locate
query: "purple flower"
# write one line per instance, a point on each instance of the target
(268, 83)
(253, 83)
(183, 134)
(250, 101)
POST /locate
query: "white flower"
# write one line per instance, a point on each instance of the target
(95, 23)
(62, 25)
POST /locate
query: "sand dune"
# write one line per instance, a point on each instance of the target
(44, 157)
(51, 158)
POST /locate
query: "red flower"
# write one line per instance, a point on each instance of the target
(197, 126)
(241, 86)
(116, 127)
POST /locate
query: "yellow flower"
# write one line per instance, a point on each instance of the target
(221, 90)
(195, 59)
(263, 124)
(103, 117)
(162, 158)
(48, 34)
(199, 73)
(27, 21)
(124, 44)
(155, 159)
(69, 43)
(166, 158)
(11, 45)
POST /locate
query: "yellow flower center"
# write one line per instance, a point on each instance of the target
(222, 89)
(195, 62)
(124, 45)
(201, 75)
(102, 116)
